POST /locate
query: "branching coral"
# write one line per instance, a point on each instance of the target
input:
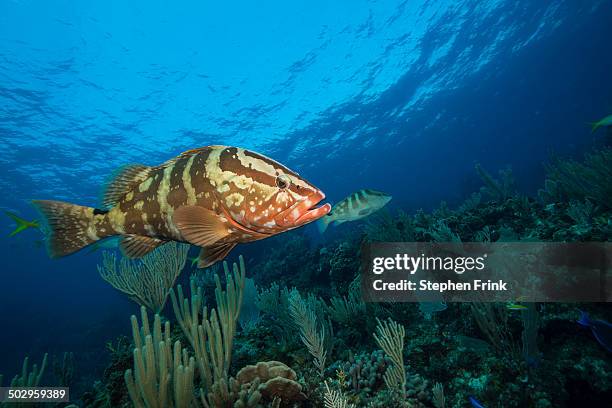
(274, 305)
(64, 370)
(274, 301)
(146, 281)
(484, 235)
(250, 312)
(212, 335)
(529, 337)
(438, 398)
(470, 203)
(441, 232)
(497, 189)
(590, 179)
(335, 399)
(346, 309)
(312, 336)
(581, 212)
(205, 278)
(492, 319)
(366, 371)
(162, 375)
(26, 379)
(388, 228)
(390, 337)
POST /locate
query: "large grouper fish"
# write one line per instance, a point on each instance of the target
(213, 197)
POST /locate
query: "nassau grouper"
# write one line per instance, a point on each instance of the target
(356, 206)
(213, 197)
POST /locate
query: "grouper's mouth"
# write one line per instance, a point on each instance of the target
(303, 212)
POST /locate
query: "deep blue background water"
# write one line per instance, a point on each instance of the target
(404, 97)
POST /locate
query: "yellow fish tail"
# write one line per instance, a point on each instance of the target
(21, 223)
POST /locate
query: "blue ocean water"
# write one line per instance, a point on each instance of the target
(400, 96)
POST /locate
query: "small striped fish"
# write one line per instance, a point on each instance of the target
(356, 206)
(213, 197)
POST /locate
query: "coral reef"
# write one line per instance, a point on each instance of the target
(270, 381)
(27, 378)
(146, 281)
(312, 333)
(364, 372)
(573, 180)
(497, 189)
(163, 373)
(338, 351)
(64, 370)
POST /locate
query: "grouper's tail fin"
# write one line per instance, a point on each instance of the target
(68, 227)
(594, 126)
(323, 223)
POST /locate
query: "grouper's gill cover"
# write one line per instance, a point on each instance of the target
(214, 197)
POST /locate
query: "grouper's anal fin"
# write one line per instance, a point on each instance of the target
(137, 246)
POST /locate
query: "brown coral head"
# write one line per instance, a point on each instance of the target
(265, 370)
(283, 388)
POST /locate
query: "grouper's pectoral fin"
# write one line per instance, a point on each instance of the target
(212, 254)
(137, 246)
(199, 226)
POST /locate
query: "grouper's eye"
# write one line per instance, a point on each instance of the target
(283, 181)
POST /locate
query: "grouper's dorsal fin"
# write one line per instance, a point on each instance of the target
(122, 182)
(197, 150)
(187, 153)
